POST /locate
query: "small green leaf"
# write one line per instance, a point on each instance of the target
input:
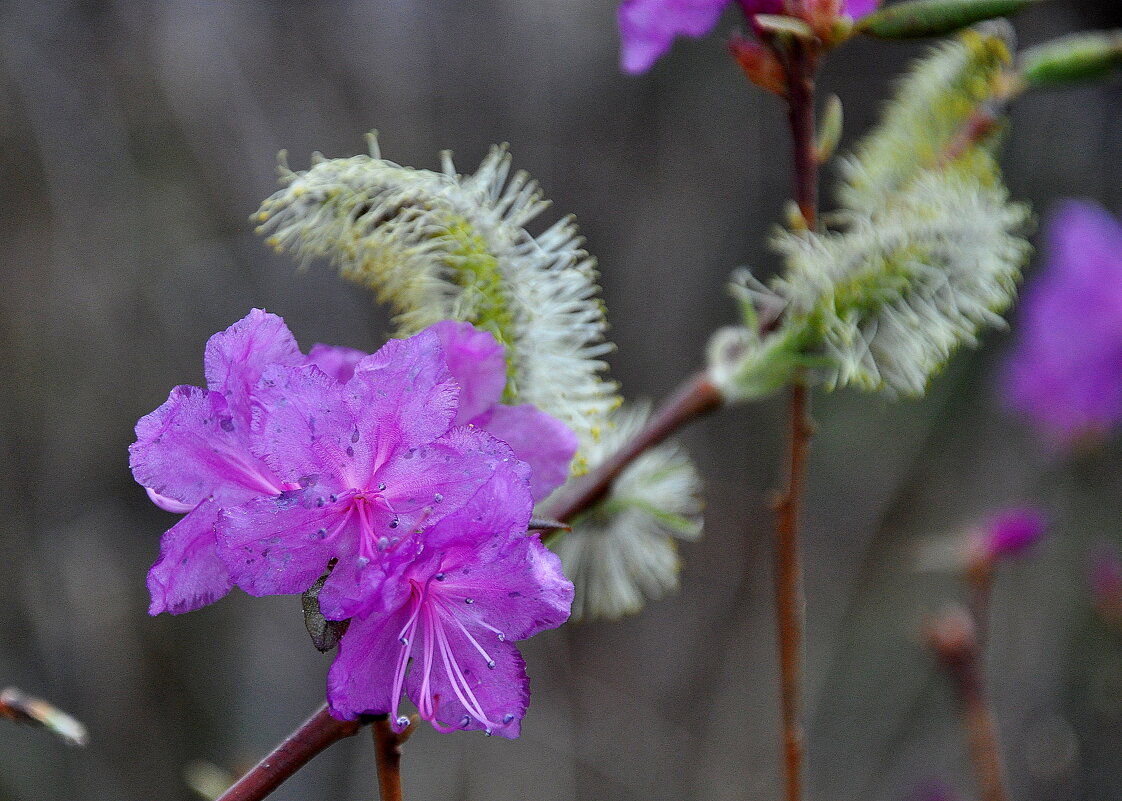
(1074, 58)
(916, 19)
(830, 129)
(781, 24)
(325, 633)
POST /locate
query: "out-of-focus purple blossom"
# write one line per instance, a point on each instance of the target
(648, 27)
(1013, 531)
(477, 362)
(444, 632)
(1065, 371)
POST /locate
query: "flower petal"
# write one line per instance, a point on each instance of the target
(192, 447)
(648, 27)
(236, 358)
(337, 362)
(275, 546)
(476, 360)
(189, 574)
(859, 8)
(405, 393)
(306, 430)
(542, 441)
(425, 484)
(361, 678)
(515, 584)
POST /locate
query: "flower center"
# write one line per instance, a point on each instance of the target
(434, 612)
(370, 507)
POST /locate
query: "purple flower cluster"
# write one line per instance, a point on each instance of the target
(648, 27)
(1065, 372)
(401, 472)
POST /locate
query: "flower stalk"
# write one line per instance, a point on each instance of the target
(314, 735)
(387, 744)
(954, 639)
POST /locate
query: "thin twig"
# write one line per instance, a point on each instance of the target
(696, 396)
(789, 599)
(314, 735)
(954, 639)
(387, 745)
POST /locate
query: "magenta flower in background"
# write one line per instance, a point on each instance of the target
(1013, 531)
(648, 27)
(443, 631)
(1065, 371)
(193, 454)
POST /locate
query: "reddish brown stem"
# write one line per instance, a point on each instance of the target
(387, 743)
(954, 638)
(802, 62)
(697, 396)
(314, 735)
(789, 599)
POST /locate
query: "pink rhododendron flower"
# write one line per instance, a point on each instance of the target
(194, 455)
(443, 632)
(1065, 372)
(648, 27)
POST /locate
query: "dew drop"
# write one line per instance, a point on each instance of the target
(488, 731)
(334, 497)
(402, 722)
(394, 523)
(439, 577)
(469, 600)
(508, 717)
(403, 640)
(464, 721)
(227, 423)
(363, 561)
(350, 451)
(383, 543)
(491, 664)
(502, 637)
(437, 497)
(354, 436)
(319, 501)
(321, 533)
(381, 486)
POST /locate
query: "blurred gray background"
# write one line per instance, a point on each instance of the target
(136, 138)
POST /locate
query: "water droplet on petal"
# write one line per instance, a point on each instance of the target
(491, 664)
(469, 600)
(363, 561)
(439, 577)
(403, 640)
(437, 497)
(227, 423)
(502, 637)
(350, 451)
(381, 486)
(334, 497)
(402, 722)
(464, 721)
(354, 436)
(507, 718)
(394, 523)
(383, 543)
(321, 533)
(488, 731)
(320, 501)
